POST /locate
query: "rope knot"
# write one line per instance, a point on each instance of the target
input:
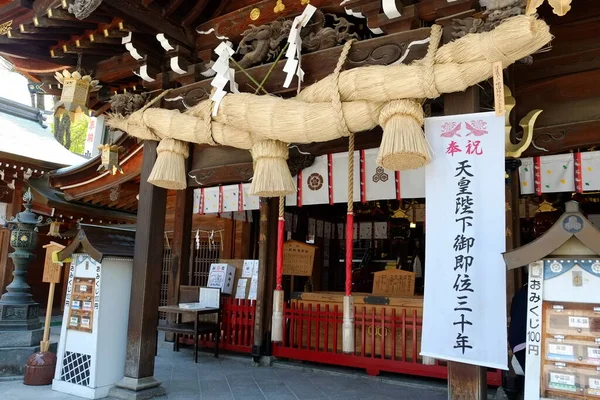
(427, 76)
(173, 146)
(336, 100)
(403, 107)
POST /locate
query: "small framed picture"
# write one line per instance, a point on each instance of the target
(85, 321)
(87, 306)
(76, 305)
(74, 321)
(83, 288)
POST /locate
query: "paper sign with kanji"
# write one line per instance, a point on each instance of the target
(464, 316)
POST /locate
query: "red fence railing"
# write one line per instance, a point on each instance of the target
(385, 340)
(237, 327)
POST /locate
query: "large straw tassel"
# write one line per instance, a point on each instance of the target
(169, 168)
(272, 177)
(403, 144)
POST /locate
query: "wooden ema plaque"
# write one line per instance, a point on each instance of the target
(52, 270)
(81, 311)
(394, 282)
(298, 258)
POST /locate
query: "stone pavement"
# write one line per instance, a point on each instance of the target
(235, 377)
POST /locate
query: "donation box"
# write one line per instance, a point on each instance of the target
(93, 339)
(563, 309)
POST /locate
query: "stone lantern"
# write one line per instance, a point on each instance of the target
(20, 325)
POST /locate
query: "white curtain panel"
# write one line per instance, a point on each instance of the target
(315, 182)
(558, 173)
(211, 200)
(249, 201)
(340, 177)
(380, 183)
(526, 176)
(231, 197)
(590, 171)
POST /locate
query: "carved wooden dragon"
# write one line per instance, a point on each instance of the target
(261, 44)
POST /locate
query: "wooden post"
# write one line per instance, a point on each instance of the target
(465, 381)
(516, 218)
(181, 247)
(262, 262)
(145, 288)
(45, 343)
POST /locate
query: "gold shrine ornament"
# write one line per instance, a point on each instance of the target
(255, 14)
(559, 7)
(279, 7)
(110, 158)
(5, 27)
(54, 229)
(75, 94)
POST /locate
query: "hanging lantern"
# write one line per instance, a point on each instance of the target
(54, 229)
(110, 158)
(75, 94)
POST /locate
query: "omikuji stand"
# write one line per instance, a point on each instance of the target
(563, 309)
(92, 348)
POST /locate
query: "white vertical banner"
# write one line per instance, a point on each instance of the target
(231, 198)
(339, 186)
(197, 195)
(315, 182)
(464, 316)
(93, 138)
(249, 201)
(379, 182)
(211, 200)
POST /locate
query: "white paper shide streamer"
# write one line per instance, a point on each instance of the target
(292, 66)
(224, 74)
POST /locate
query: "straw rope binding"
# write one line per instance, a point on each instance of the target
(345, 102)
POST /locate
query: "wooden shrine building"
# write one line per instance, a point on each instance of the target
(141, 50)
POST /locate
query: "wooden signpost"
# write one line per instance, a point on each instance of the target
(298, 259)
(52, 272)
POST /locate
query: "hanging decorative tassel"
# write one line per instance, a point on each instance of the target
(272, 177)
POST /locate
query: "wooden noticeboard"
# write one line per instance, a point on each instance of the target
(298, 258)
(52, 270)
(394, 282)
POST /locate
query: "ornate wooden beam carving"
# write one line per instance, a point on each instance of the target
(234, 23)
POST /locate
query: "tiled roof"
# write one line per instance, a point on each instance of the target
(22, 133)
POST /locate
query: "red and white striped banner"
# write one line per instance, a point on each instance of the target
(537, 165)
(578, 182)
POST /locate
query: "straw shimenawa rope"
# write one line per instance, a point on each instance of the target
(369, 96)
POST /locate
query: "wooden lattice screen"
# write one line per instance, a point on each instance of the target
(201, 258)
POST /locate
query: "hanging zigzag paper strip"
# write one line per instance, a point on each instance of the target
(368, 96)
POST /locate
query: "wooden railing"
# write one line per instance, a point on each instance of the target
(384, 341)
(237, 327)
